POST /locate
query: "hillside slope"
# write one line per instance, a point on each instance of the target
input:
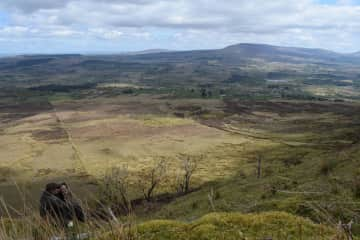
(238, 53)
(235, 226)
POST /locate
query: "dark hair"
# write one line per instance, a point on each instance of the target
(61, 195)
(51, 187)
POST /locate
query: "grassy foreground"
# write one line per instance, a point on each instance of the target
(214, 226)
(268, 225)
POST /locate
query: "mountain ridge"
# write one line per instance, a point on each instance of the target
(231, 55)
(238, 53)
(161, 50)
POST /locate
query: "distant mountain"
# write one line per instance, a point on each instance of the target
(246, 63)
(269, 52)
(233, 55)
(238, 53)
(6, 55)
(147, 51)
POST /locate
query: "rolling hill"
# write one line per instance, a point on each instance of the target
(266, 128)
(231, 54)
(250, 63)
(246, 51)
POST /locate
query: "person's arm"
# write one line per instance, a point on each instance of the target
(79, 212)
(42, 211)
(43, 208)
(65, 211)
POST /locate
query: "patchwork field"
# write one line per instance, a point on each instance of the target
(257, 133)
(79, 140)
(82, 139)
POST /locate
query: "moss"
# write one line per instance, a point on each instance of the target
(275, 225)
(162, 229)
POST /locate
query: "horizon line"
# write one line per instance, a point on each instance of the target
(88, 53)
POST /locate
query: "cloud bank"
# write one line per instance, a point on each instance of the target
(123, 25)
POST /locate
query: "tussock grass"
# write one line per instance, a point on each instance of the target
(269, 225)
(213, 226)
(163, 121)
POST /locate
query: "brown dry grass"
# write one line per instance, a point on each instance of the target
(90, 136)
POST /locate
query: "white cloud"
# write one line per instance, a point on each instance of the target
(105, 33)
(64, 32)
(193, 23)
(11, 31)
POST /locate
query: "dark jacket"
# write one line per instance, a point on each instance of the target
(78, 212)
(54, 209)
(74, 206)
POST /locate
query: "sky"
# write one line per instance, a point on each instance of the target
(114, 26)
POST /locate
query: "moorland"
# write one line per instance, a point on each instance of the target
(266, 128)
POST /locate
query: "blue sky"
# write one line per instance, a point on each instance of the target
(327, 1)
(333, 2)
(4, 18)
(112, 26)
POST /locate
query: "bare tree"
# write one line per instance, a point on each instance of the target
(152, 178)
(189, 166)
(211, 198)
(259, 159)
(115, 188)
(346, 229)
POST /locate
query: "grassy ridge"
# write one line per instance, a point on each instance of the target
(214, 226)
(235, 226)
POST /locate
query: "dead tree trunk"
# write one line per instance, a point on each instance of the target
(259, 160)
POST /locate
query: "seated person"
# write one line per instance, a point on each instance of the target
(67, 197)
(52, 208)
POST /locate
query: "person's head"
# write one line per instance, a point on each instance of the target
(52, 188)
(64, 189)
